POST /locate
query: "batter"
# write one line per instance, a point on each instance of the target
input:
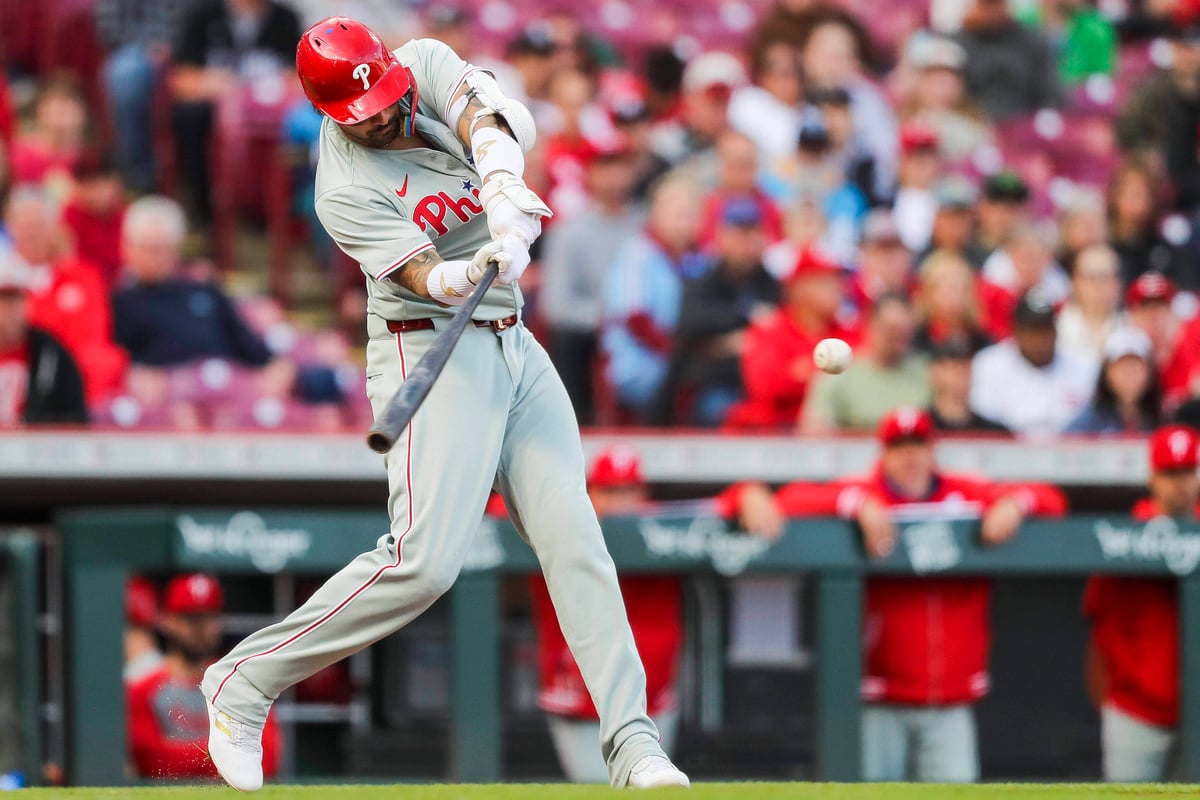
(419, 180)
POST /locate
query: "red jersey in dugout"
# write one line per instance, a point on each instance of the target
(926, 641)
(168, 729)
(655, 610)
(1135, 627)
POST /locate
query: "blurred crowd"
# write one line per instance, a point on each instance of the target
(993, 201)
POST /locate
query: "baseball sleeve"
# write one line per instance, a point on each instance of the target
(370, 230)
(439, 73)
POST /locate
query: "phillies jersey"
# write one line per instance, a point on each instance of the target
(384, 207)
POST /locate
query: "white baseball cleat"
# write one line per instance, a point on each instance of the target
(654, 772)
(236, 750)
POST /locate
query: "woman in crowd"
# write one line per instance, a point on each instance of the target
(946, 303)
(1135, 200)
(1128, 397)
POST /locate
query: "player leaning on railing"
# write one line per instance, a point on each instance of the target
(419, 180)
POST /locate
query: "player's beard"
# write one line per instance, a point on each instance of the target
(198, 655)
(383, 135)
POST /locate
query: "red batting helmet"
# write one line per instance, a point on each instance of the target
(349, 74)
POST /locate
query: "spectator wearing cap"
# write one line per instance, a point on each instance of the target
(832, 56)
(67, 297)
(617, 488)
(1135, 204)
(163, 319)
(1091, 314)
(777, 366)
(1128, 397)
(954, 221)
(39, 380)
(624, 96)
(886, 373)
(1162, 117)
(1024, 263)
(576, 257)
(938, 98)
(94, 213)
(916, 202)
(142, 655)
(1010, 69)
(643, 291)
(768, 109)
(737, 181)
(166, 713)
(1003, 205)
(923, 670)
(1148, 305)
(947, 303)
(709, 81)
(884, 263)
(950, 383)
(1133, 656)
(1025, 383)
(717, 308)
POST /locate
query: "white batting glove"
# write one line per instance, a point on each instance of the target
(513, 209)
(510, 252)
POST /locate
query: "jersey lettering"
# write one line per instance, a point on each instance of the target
(431, 211)
(363, 72)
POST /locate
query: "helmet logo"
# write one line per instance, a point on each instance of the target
(363, 72)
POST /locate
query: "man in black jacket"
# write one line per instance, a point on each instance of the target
(714, 313)
(39, 381)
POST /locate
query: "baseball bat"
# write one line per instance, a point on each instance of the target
(408, 398)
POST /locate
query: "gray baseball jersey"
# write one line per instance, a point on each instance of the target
(383, 207)
(497, 416)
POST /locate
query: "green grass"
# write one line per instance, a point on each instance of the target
(704, 791)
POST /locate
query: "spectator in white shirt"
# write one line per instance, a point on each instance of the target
(1025, 383)
(916, 202)
(1091, 314)
(768, 112)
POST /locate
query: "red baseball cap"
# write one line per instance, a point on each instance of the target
(618, 465)
(813, 261)
(1174, 447)
(916, 136)
(905, 422)
(141, 601)
(1149, 287)
(609, 144)
(195, 593)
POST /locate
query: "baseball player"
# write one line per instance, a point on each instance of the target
(419, 180)
(1134, 659)
(925, 640)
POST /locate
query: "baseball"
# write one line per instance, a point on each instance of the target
(832, 355)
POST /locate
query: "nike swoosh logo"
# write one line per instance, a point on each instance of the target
(449, 291)
(403, 189)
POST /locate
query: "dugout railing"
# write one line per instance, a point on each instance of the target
(102, 546)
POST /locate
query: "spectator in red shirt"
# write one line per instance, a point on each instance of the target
(654, 605)
(925, 640)
(737, 176)
(1148, 303)
(95, 211)
(1133, 661)
(67, 296)
(777, 361)
(39, 381)
(52, 148)
(168, 721)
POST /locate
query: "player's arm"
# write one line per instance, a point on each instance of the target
(449, 283)
(498, 131)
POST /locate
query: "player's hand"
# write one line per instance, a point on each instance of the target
(879, 532)
(508, 252)
(513, 209)
(759, 513)
(1000, 522)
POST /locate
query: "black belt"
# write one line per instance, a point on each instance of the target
(410, 325)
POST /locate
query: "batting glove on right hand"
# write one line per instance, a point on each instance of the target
(508, 251)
